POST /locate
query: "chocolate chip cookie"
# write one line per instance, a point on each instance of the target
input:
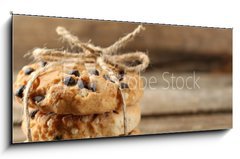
(75, 89)
(50, 126)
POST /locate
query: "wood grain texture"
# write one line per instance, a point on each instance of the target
(18, 135)
(184, 101)
(31, 32)
(167, 95)
(169, 124)
(185, 123)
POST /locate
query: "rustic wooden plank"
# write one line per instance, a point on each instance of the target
(169, 124)
(213, 92)
(17, 113)
(185, 101)
(156, 39)
(204, 80)
(18, 135)
(185, 123)
(178, 62)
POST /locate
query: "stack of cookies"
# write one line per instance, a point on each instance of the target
(72, 101)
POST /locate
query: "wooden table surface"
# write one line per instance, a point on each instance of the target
(169, 124)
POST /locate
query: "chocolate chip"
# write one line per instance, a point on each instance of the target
(115, 112)
(69, 81)
(81, 84)
(94, 72)
(106, 77)
(93, 87)
(28, 71)
(124, 85)
(43, 63)
(38, 98)
(58, 137)
(120, 78)
(33, 113)
(121, 75)
(121, 72)
(19, 92)
(74, 72)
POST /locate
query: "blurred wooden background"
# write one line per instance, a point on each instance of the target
(179, 50)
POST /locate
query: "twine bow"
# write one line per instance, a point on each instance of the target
(90, 54)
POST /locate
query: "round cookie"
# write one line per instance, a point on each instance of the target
(73, 89)
(50, 126)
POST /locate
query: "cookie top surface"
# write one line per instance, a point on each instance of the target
(77, 89)
(50, 126)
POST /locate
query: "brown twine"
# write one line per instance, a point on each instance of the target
(123, 41)
(74, 41)
(102, 56)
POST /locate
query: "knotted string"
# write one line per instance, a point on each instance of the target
(91, 53)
